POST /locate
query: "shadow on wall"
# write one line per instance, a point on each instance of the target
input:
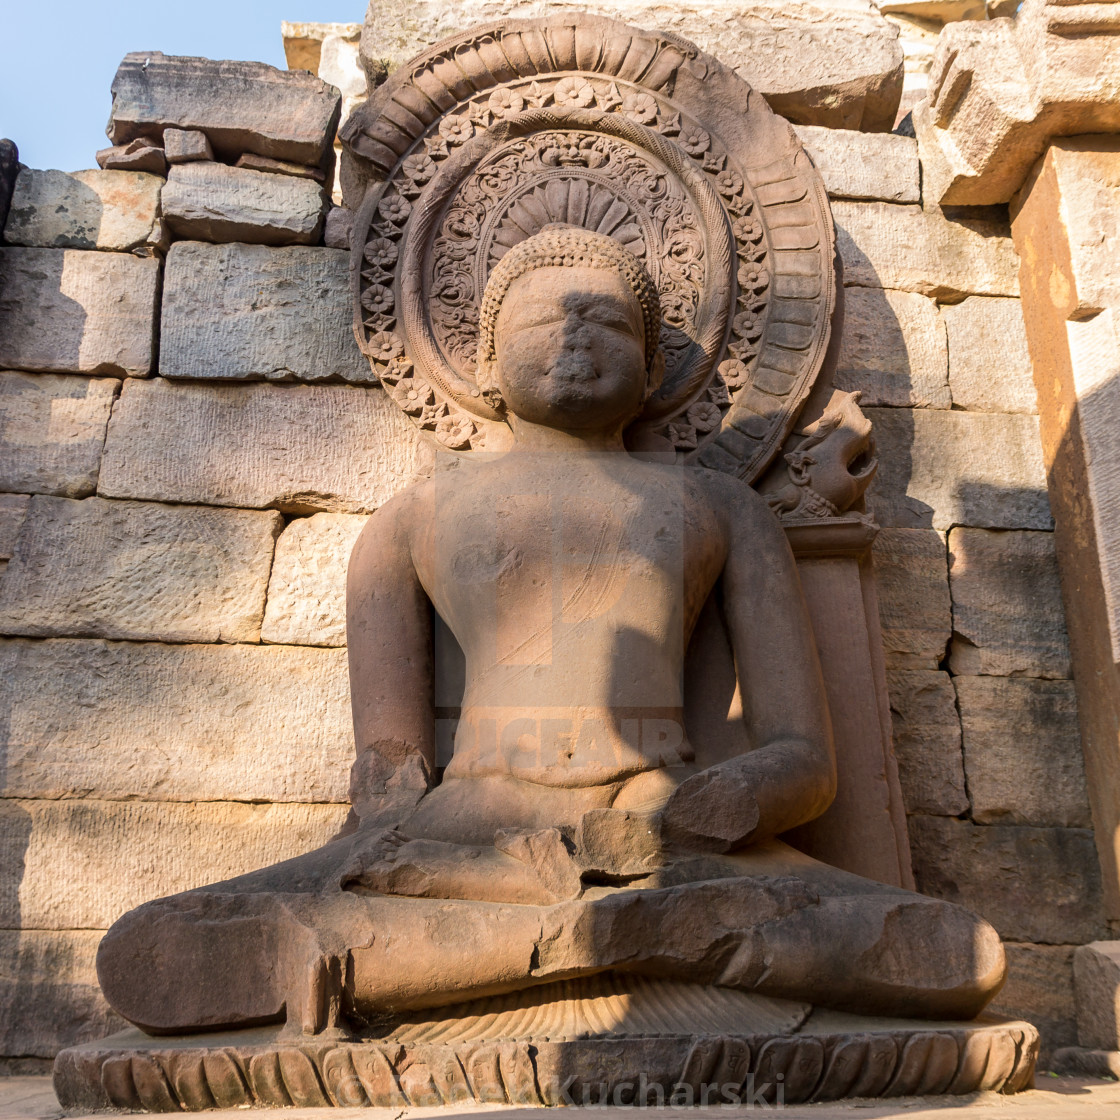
(35, 286)
(30, 279)
(940, 469)
(15, 824)
(59, 212)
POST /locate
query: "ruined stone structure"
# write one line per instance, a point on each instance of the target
(193, 442)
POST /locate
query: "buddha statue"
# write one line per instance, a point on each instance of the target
(575, 829)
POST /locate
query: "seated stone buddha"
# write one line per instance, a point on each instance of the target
(575, 828)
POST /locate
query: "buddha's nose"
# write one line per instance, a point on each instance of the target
(577, 334)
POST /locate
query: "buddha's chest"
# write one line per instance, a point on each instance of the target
(531, 556)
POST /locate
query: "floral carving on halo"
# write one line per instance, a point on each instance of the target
(412, 395)
(683, 435)
(457, 129)
(455, 431)
(704, 416)
(378, 299)
(385, 346)
(735, 374)
(418, 167)
(505, 102)
(729, 183)
(537, 96)
(640, 107)
(694, 140)
(381, 252)
(573, 93)
(394, 208)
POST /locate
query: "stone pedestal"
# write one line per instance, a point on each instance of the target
(609, 1040)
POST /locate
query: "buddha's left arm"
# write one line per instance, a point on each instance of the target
(790, 775)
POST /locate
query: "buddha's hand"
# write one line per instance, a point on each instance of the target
(392, 863)
(716, 810)
(375, 861)
(615, 846)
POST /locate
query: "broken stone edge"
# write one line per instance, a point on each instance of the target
(261, 1068)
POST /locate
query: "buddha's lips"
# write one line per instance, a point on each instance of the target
(573, 371)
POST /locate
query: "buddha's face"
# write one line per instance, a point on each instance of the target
(570, 349)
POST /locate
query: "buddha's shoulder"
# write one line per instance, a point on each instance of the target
(728, 494)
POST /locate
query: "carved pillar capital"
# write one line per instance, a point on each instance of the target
(1001, 89)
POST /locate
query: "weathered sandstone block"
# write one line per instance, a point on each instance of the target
(241, 106)
(250, 311)
(185, 145)
(927, 742)
(864, 165)
(137, 155)
(989, 367)
(9, 169)
(1000, 89)
(214, 202)
(13, 509)
(1007, 605)
(81, 864)
(1022, 751)
(117, 210)
(49, 996)
(307, 589)
(113, 720)
(912, 579)
(938, 469)
(1002, 872)
(1039, 989)
(138, 570)
(893, 349)
(298, 448)
(279, 167)
(834, 65)
(72, 312)
(52, 431)
(1096, 971)
(338, 227)
(906, 247)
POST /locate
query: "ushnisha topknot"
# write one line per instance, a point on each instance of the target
(567, 247)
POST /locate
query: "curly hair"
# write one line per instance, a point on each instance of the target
(566, 247)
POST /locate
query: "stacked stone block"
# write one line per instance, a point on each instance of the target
(192, 442)
(157, 733)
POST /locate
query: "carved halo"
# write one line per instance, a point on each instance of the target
(497, 132)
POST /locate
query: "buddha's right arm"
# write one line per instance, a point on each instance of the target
(790, 775)
(389, 640)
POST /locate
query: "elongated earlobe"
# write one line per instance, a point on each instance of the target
(656, 373)
(486, 378)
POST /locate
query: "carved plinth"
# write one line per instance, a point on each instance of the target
(605, 1040)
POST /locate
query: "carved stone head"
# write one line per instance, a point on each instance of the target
(569, 331)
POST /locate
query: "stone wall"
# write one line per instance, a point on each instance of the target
(983, 708)
(191, 442)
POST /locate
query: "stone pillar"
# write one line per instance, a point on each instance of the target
(864, 830)
(1066, 226)
(1026, 111)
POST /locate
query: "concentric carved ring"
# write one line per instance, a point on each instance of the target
(494, 133)
(582, 168)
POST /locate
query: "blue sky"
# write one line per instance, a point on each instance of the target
(60, 57)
